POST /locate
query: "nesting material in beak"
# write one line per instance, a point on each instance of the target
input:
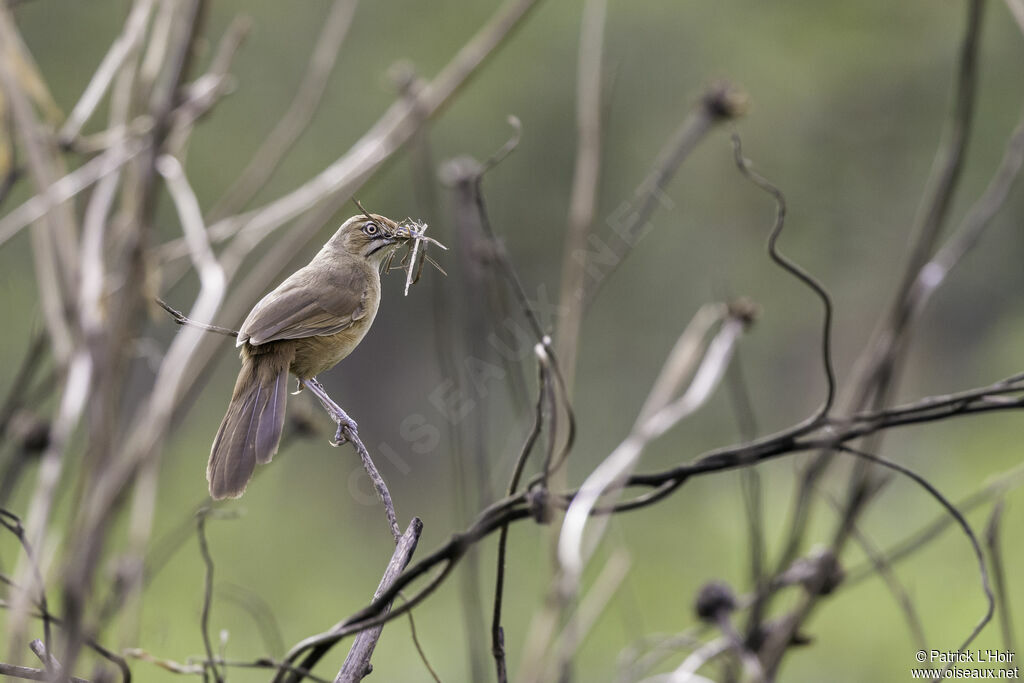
(414, 231)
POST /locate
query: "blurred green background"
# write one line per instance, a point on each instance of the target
(847, 103)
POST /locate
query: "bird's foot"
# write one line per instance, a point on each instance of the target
(346, 426)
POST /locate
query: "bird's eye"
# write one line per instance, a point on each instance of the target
(371, 229)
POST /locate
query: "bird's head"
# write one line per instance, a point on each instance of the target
(371, 236)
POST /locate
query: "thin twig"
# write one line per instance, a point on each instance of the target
(34, 356)
(50, 662)
(654, 421)
(721, 103)
(812, 283)
(55, 240)
(419, 648)
(305, 104)
(182, 319)
(995, 553)
(519, 293)
(882, 566)
(593, 603)
(1004, 483)
(12, 523)
(259, 612)
(497, 632)
(123, 47)
(750, 484)
(344, 428)
(72, 404)
(960, 519)
(29, 674)
(970, 231)
(586, 179)
(115, 659)
(204, 619)
(687, 671)
(200, 668)
(67, 187)
(200, 96)
(395, 127)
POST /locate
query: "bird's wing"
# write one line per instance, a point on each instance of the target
(307, 306)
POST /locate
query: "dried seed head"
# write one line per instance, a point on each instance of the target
(714, 599)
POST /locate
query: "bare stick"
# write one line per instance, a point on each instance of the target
(307, 100)
(687, 671)
(960, 519)
(259, 610)
(14, 400)
(392, 130)
(497, 632)
(200, 96)
(357, 663)
(67, 187)
(932, 274)
(46, 616)
(182, 319)
(318, 646)
(199, 669)
(121, 49)
(345, 423)
(881, 565)
(995, 553)
(588, 612)
(27, 673)
(73, 400)
(54, 243)
(586, 177)
(708, 366)
(720, 103)
(746, 168)
(50, 662)
(419, 648)
(1007, 481)
(13, 524)
(204, 619)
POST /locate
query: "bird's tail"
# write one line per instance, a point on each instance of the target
(251, 429)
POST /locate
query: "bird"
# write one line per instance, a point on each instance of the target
(305, 326)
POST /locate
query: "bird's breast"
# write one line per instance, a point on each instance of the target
(314, 355)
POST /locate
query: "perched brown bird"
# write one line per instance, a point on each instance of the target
(305, 326)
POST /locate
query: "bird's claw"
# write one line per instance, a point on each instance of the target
(344, 425)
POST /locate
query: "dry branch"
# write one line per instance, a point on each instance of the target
(312, 650)
(357, 663)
